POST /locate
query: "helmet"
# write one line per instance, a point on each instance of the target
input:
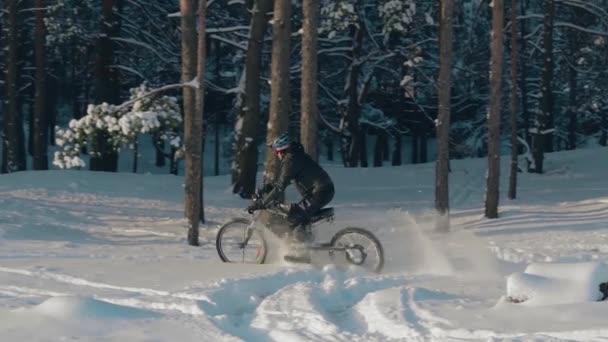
(282, 142)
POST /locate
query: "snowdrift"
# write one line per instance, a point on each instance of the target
(73, 307)
(558, 283)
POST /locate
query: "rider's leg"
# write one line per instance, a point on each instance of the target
(319, 199)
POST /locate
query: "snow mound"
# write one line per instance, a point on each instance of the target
(69, 307)
(558, 283)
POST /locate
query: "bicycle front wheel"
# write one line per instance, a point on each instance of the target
(233, 246)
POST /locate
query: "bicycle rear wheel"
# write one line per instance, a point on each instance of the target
(234, 233)
(361, 248)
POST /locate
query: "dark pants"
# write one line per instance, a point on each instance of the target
(317, 199)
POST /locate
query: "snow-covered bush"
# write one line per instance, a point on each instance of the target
(158, 115)
(337, 16)
(70, 24)
(397, 15)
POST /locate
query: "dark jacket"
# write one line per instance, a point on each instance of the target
(305, 173)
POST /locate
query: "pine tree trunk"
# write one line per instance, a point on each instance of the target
(378, 150)
(363, 146)
(160, 156)
(309, 119)
(189, 65)
(103, 156)
(193, 107)
(51, 108)
(246, 130)
(386, 153)
(352, 149)
(604, 129)
(493, 176)
(12, 160)
(329, 144)
(443, 116)
(40, 109)
(513, 101)
(541, 138)
(280, 103)
(572, 74)
(523, 81)
(424, 147)
(135, 155)
(397, 160)
(415, 147)
(199, 128)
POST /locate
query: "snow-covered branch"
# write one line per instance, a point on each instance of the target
(120, 124)
(580, 28)
(229, 42)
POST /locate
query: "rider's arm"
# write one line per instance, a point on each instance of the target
(285, 177)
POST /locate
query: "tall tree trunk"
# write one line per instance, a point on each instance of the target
(135, 154)
(443, 116)
(280, 104)
(604, 128)
(386, 153)
(541, 140)
(12, 160)
(189, 68)
(329, 143)
(523, 81)
(40, 108)
(415, 146)
(572, 75)
(352, 149)
(309, 118)
(160, 156)
(513, 101)
(218, 119)
(363, 147)
(397, 151)
(424, 146)
(104, 157)
(199, 119)
(51, 108)
(379, 150)
(193, 110)
(246, 130)
(493, 177)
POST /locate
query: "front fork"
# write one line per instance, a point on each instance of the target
(247, 235)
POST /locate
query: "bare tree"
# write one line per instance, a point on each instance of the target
(246, 159)
(309, 118)
(513, 101)
(40, 108)
(280, 104)
(496, 47)
(192, 145)
(443, 116)
(543, 118)
(13, 156)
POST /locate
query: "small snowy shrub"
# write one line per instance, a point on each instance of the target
(159, 116)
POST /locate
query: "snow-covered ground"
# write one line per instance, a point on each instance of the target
(103, 257)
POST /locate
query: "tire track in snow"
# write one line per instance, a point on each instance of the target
(404, 319)
(389, 318)
(184, 302)
(298, 306)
